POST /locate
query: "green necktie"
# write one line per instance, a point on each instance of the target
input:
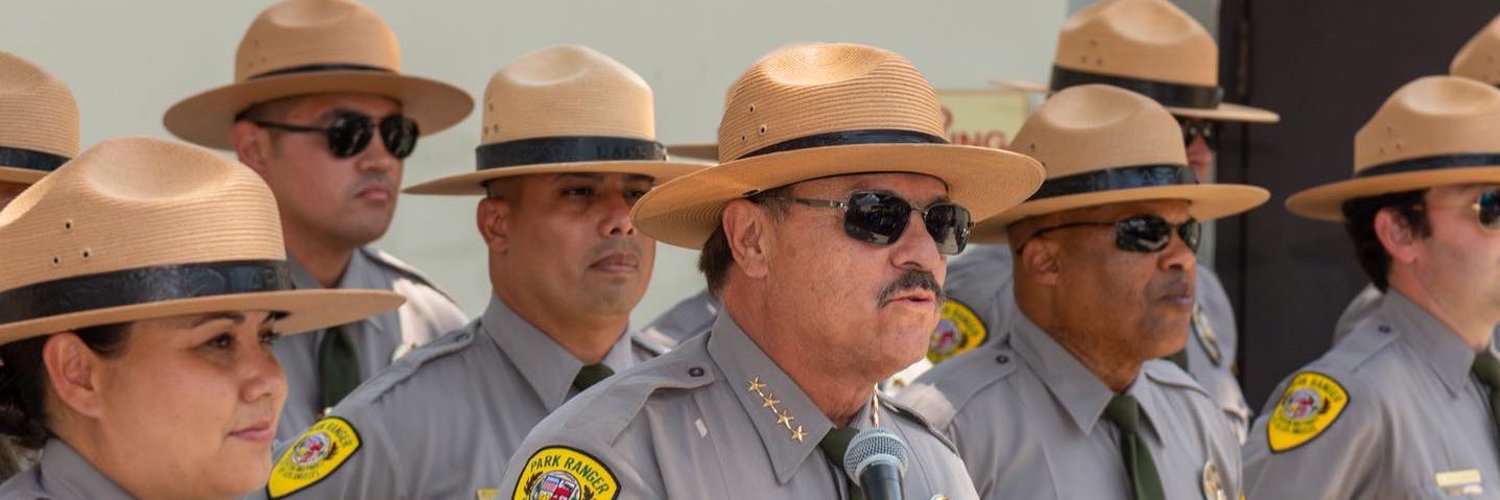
(834, 444)
(1180, 358)
(1125, 412)
(338, 368)
(590, 375)
(1487, 368)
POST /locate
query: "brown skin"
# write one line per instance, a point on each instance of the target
(9, 191)
(186, 409)
(564, 255)
(1112, 309)
(808, 294)
(329, 206)
(1454, 274)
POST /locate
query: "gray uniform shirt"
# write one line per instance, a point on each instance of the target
(691, 316)
(443, 421)
(378, 339)
(715, 418)
(981, 280)
(61, 474)
(1028, 419)
(1404, 418)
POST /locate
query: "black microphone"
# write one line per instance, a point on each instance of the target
(877, 459)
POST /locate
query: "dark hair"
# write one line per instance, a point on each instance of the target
(23, 381)
(1359, 214)
(716, 256)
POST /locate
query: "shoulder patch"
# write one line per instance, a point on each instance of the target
(958, 331)
(563, 473)
(1310, 404)
(317, 453)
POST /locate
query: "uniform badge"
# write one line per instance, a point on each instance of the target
(1460, 482)
(1206, 336)
(317, 453)
(486, 494)
(957, 331)
(1213, 482)
(562, 473)
(1310, 404)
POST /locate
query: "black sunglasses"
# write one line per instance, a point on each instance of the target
(350, 132)
(1141, 233)
(1198, 127)
(881, 218)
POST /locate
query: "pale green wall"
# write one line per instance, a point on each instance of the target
(127, 61)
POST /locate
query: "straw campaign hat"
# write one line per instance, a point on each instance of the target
(1151, 47)
(1102, 144)
(562, 109)
(38, 121)
(140, 228)
(299, 47)
(1435, 131)
(1480, 57)
(819, 110)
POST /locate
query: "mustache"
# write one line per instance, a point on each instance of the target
(913, 279)
(614, 246)
(381, 179)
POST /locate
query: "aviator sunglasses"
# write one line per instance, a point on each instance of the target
(350, 132)
(880, 218)
(1141, 233)
(1486, 208)
(1198, 127)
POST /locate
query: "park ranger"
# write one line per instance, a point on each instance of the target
(1074, 402)
(1477, 60)
(824, 230)
(320, 110)
(1154, 48)
(568, 147)
(1404, 406)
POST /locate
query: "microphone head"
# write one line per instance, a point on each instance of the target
(872, 446)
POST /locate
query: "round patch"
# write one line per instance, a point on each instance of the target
(562, 473)
(317, 453)
(958, 330)
(1308, 406)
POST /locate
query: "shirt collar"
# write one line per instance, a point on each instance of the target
(64, 473)
(1443, 349)
(545, 364)
(780, 411)
(359, 273)
(1077, 389)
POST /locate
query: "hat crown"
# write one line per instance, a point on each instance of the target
(810, 89)
(1146, 39)
(1097, 127)
(566, 90)
(37, 111)
(1480, 56)
(136, 202)
(302, 33)
(1434, 115)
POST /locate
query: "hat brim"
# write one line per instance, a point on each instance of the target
(21, 175)
(1205, 202)
(304, 310)
(472, 183)
(686, 211)
(205, 119)
(698, 150)
(1225, 112)
(1326, 202)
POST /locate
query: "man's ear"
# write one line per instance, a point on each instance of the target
(493, 217)
(746, 226)
(73, 372)
(1398, 237)
(1040, 258)
(251, 146)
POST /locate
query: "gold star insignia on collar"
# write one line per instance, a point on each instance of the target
(798, 435)
(785, 419)
(769, 401)
(756, 386)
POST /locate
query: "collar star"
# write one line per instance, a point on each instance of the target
(798, 435)
(756, 386)
(769, 401)
(785, 418)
